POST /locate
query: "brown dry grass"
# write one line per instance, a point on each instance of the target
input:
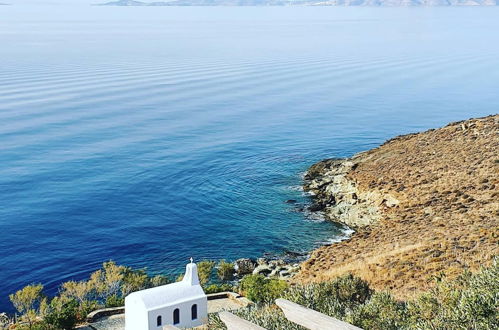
(448, 218)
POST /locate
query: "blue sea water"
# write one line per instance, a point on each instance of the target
(150, 135)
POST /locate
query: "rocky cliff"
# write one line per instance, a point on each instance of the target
(421, 204)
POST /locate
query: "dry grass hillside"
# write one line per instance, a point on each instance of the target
(447, 215)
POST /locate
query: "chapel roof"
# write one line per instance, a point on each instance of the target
(174, 293)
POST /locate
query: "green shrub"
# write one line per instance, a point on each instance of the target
(159, 280)
(215, 288)
(266, 316)
(115, 301)
(27, 302)
(469, 302)
(260, 289)
(225, 270)
(106, 287)
(379, 313)
(275, 289)
(350, 290)
(205, 268)
(335, 298)
(62, 314)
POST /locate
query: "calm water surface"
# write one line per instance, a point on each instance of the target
(149, 135)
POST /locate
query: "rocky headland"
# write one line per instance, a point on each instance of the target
(421, 205)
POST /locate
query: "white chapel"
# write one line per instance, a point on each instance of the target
(182, 304)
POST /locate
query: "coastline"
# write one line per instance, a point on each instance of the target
(421, 204)
(406, 227)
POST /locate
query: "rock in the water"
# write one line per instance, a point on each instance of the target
(299, 209)
(244, 266)
(290, 201)
(293, 254)
(316, 207)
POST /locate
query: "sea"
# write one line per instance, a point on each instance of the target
(149, 135)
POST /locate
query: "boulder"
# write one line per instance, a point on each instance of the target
(316, 207)
(274, 263)
(274, 272)
(261, 261)
(262, 270)
(244, 266)
(284, 274)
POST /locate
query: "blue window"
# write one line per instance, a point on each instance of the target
(159, 322)
(176, 316)
(194, 312)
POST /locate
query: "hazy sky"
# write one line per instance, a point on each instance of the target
(55, 2)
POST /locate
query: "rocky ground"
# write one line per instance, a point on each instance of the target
(276, 268)
(421, 204)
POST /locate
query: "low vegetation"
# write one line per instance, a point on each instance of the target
(470, 301)
(106, 287)
(260, 289)
(225, 270)
(436, 196)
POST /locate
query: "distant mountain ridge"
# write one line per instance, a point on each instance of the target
(375, 3)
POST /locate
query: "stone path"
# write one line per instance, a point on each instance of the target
(113, 322)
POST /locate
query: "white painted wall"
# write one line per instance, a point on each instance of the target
(135, 315)
(185, 315)
(138, 318)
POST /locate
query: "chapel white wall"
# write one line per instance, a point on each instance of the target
(135, 315)
(186, 321)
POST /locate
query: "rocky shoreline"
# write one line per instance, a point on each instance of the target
(343, 193)
(421, 204)
(268, 268)
(338, 197)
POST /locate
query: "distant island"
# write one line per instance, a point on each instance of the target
(375, 3)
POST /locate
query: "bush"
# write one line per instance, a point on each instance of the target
(467, 302)
(215, 288)
(350, 290)
(27, 302)
(266, 316)
(115, 301)
(225, 270)
(205, 268)
(260, 289)
(379, 313)
(62, 314)
(335, 298)
(107, 287)
(159, 280)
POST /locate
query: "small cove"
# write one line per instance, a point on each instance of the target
(135, 135)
